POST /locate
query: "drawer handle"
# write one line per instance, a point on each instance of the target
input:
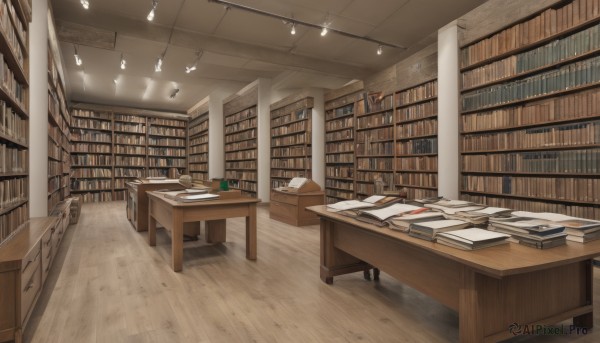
(29, 285)
(49, 253)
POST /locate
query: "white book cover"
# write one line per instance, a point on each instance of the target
(348, 205)
(442, 224)
(390, 211)
(473, 235)
(374, 198)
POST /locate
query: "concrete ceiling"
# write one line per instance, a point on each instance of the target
(238, 47)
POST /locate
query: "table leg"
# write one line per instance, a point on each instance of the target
(151, 227)
(587, 320)
(177, 240)
(470, 307)
(251, 233)
(215, 231)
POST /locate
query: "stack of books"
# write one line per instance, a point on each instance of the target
(379, 216)
(472, 238)
(481, 216)
(402, 223)
(581, 230)
(429, 230)
(533, 233)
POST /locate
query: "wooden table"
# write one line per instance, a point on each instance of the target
(172, 215)
(290, 207)
(137, 200)
(490, 288)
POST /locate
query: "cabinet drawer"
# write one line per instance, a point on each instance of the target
(283, 210)
(56, 238)
(29, 290)
(285, 198)
(30, 263)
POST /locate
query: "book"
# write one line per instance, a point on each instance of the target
(348, 205)
(472, 238)
(380, 215)
(402, 223)
(192, 197)
(429, 230)
(297, 182)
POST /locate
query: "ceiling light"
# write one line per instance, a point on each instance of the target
(324, 31)
(150, 16)
(78, 60)
(123, 62)
(293, 32)
(115, 81)
(158, 65)
(190, 69)
(380, 50)
(194, 65)
(85, 4)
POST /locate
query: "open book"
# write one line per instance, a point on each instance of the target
(380, 215)
(297, 182)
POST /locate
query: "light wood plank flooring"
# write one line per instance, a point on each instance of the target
(108, 285)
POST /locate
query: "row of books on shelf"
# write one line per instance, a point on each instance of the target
(238, 136)
(240, 165)
(199, 140)
(385, 133)
(13, 160)
(301, 138)
(370, 177)
(129, 150)
(418, 146)
(90, 114)
(199, 149)
(92, 136)
(241, 155)
(174, 142)
(130, 139)
(174, 152)
(11, 221)
(571, 134)
(167, 131)
(130, 172)
(304, 163)
(339, 147)
(13, 191)
(54, 151)
(342, 111)
(385, 163)
(202, 158)
(339, 124)
(469, 226)
(200, 176)
(339, 135)
(54, 184)
(420, 128)
(375, 149)
(554, 188)
(91, 173)
(53, 200)
(339, 158)
(584, 161)
(90, 124)
(417, 179)
(121, 183)
(129, 119)
(90, 160)
(120, 195)
(166, 162)
(12, 125)
(559, 50)
(239, 116)
(199, 167)
(419, 93)
(137, 161)
(291, 128)
(13, 30)
(578, 74)
(90, 184)
(576, 210)
(375, 120)
(546, 24)
(130, 127)
(297, 115)
(568, 107)
(194, 130)
(418, 111)
(339, 172)
(339, 184)
(243, 145)
(292, 151)
(243, 184)
(290, 174)
(240, 175)
(168, 122)
(420, 163)
(333, 195)
(377, 101)
(96, 196)
(54, 168)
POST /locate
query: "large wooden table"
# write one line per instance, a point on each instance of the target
(490, 288)
(172, 215)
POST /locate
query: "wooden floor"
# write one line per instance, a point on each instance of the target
(110, 286)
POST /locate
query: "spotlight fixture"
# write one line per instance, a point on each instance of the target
(293, 32)
(123, 62)
(194, 65)
(78, 60)
(85, 4)
(174, 93)
(158, 65)
(150, 16)
(324, 31)
(115, 81)
(380, 50)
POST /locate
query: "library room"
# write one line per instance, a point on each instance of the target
(299, 171)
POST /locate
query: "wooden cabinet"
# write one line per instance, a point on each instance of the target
(290, 208)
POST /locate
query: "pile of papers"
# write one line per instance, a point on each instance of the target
(472, 239)
(378, 216)
(535, 233)
(403, 222)
(581, 230)
(429, 230)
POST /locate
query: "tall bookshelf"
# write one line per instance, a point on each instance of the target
(129, 149)
(14, 117)
(241, 151)
(198, 147)
(59, 164)
(167, 147)
(531, 113)
(339, 146)
(92, 155)
(291, 151)
(416, 162)
(374, 148)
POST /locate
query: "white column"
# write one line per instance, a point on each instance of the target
(216, 143)
(318, 137)
(38, 110)
(448, 112)
(264, 139)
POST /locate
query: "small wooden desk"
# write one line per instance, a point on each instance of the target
(490, 288)
(137, 200)
(290, 207)
(172, 215)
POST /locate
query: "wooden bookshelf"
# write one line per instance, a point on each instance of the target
(166, 151)
(339, 145)
(129, 150)
(241, 150)
(416, 127)
(530, 123)
(291, 136)
(14, 126)
(198, 147)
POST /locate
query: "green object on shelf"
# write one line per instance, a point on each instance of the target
(224, 185)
